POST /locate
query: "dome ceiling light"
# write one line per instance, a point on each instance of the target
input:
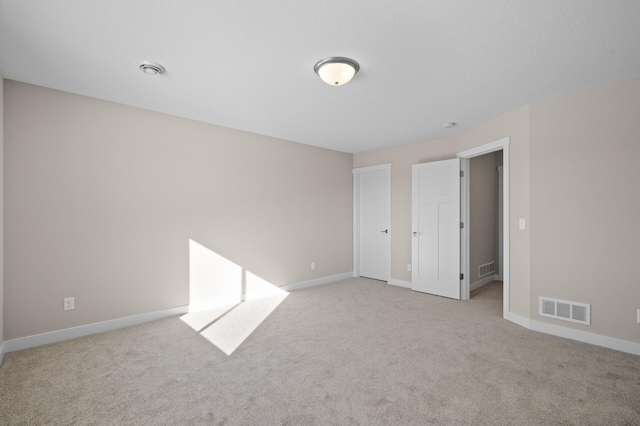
(336, 71)
(152, 68)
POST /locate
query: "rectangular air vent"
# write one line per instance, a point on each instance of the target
(563, 310)
(486, 269)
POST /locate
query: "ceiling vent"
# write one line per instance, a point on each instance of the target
(152, 68)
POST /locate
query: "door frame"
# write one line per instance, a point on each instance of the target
(465, 156)
(356, 215)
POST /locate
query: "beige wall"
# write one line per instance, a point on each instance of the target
(578, 154)
(1, 211)
(483, 208)
(514, 124)
(101, 200)
(585, 200)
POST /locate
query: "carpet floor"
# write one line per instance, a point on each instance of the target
(354, 352)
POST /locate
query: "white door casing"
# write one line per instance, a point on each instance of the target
(500, 225)
(372, 222)
(436, 228)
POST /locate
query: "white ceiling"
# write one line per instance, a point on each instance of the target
(248, 64)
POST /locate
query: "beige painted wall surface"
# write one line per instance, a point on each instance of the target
(585, 149)
(101, 201)
(1, 209)
(514, 124)
(483, 200)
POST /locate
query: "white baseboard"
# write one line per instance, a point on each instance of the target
(99, 327)
(517, 319)
(317, 281)
(400, 283)
(210, 304)
(484, 281)
(578, 335)
(85, 330)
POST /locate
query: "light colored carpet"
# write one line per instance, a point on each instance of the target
(352, 352)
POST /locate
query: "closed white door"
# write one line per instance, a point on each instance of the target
(374, 233)
(436, 228)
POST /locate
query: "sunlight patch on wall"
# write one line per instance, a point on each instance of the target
(213, 280)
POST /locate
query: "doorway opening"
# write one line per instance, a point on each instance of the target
(474, 278)
(485, 226)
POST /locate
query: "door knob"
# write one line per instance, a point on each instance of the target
(386, 231)
(415, 234)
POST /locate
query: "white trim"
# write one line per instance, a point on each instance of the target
(356, 223)
(484, 281)
(378, 167)
(500, 144)
(86, 330)
(317, 281)
(356, 215)
(519, 320)
(578, 335)
(100, 327)
(400, 283)
(465, 217)
(506, 233)
(500, 222)
(485, 149)
(210, 304)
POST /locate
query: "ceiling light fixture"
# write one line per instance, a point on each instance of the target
(152, 68)
(336, 71)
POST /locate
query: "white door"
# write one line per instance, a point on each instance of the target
(374, 233)
(436, 228)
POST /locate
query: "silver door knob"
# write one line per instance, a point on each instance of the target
(386, 231)
(415, 234)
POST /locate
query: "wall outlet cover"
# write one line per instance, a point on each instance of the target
(69, 303)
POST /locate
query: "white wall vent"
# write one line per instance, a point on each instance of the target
(563, 310)
(486, 269)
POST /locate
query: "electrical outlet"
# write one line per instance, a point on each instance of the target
(522, 224)
(408, 267)
(313, 265)
(69, 303)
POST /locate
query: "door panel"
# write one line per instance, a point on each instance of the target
(436, 228)
(374, 220)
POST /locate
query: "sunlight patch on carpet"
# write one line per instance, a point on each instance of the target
(231, 330)
(199, 320)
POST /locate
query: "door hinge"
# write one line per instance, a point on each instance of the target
(461, 277)
(461, 225)
(461, 173)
